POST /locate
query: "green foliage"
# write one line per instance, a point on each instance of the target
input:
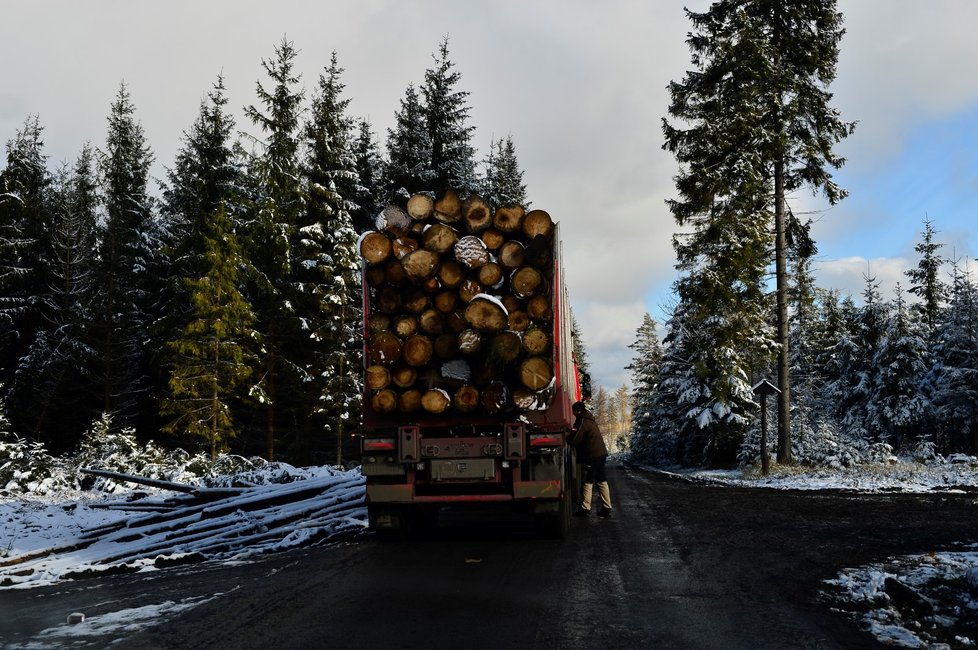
(213, 356)
(503, 182)
(25, 465)
(446, 116)
(126, 250)
(408, 169)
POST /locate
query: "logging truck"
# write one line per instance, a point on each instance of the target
(469, 371)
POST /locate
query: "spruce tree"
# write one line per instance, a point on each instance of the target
(446, 116)
(645, 367)
(857, 386)
(581, 358)
(897, 407)
(409, 169)
(503, 181)
(925, 280)
(952, 382)
(671, 438)
(326, 289)
(370, 170)
(53, 381)
(125, 252)
(213, 355)
(276, 205)
(205, 174)
(24, 245)
(753, 123)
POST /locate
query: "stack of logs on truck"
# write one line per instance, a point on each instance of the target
(469, 375)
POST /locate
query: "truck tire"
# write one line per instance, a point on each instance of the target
(390, 523)
(554, 523)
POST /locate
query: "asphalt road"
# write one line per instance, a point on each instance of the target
(679, 565)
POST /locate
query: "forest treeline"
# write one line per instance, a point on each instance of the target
(870, 377)
(749, 124)
(223, 308)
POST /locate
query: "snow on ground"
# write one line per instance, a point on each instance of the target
(956, 473)
(92, 630)
(47, 538)
(918, 601)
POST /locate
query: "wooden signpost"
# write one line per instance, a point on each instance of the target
(762, 389)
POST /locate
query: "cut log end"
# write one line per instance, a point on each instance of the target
(420, 207)
(485, 315)
(538, 222)
(384, 401)
(375, 248)
(436, 401)
(448, 208)
(536, 373)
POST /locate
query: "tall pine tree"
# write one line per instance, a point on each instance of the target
(446, 115)
(52, 389)
(276, 206)
(213, 354)
(503, 182)
(645, 368)
(24, 245)
(409, 169)
(370, 170)
(925, 280)
(125, 252)
(327, 273)
(753, 124)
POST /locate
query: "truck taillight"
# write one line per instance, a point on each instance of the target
(378, 444)
(546, 440)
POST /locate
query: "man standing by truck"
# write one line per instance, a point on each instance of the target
(586, 438)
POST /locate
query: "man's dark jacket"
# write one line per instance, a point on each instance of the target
(588, 439)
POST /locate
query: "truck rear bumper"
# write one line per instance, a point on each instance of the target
(404, 493)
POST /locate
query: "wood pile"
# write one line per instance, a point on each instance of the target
(197, 525)
(460, 307)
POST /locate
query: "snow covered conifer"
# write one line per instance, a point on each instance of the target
(205, 174)
(409, 169)
(952, 382)
(326, 288)
(53, 382)
(370, 170)
(125, 250)
(24, 243)
(925, 280)
(897, 407)
(446, 115)
(503, 182)
(753, 123)
(268, 227)
(645, 367)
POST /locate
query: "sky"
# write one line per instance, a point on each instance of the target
(580, 86)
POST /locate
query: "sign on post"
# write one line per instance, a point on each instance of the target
(762, 389)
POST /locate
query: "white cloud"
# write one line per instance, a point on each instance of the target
(903, 63)
(607, 331)
(849, 274)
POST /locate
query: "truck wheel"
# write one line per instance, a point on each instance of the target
(389, 522)
(555, 522)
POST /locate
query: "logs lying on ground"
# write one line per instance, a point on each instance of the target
(461, 307)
